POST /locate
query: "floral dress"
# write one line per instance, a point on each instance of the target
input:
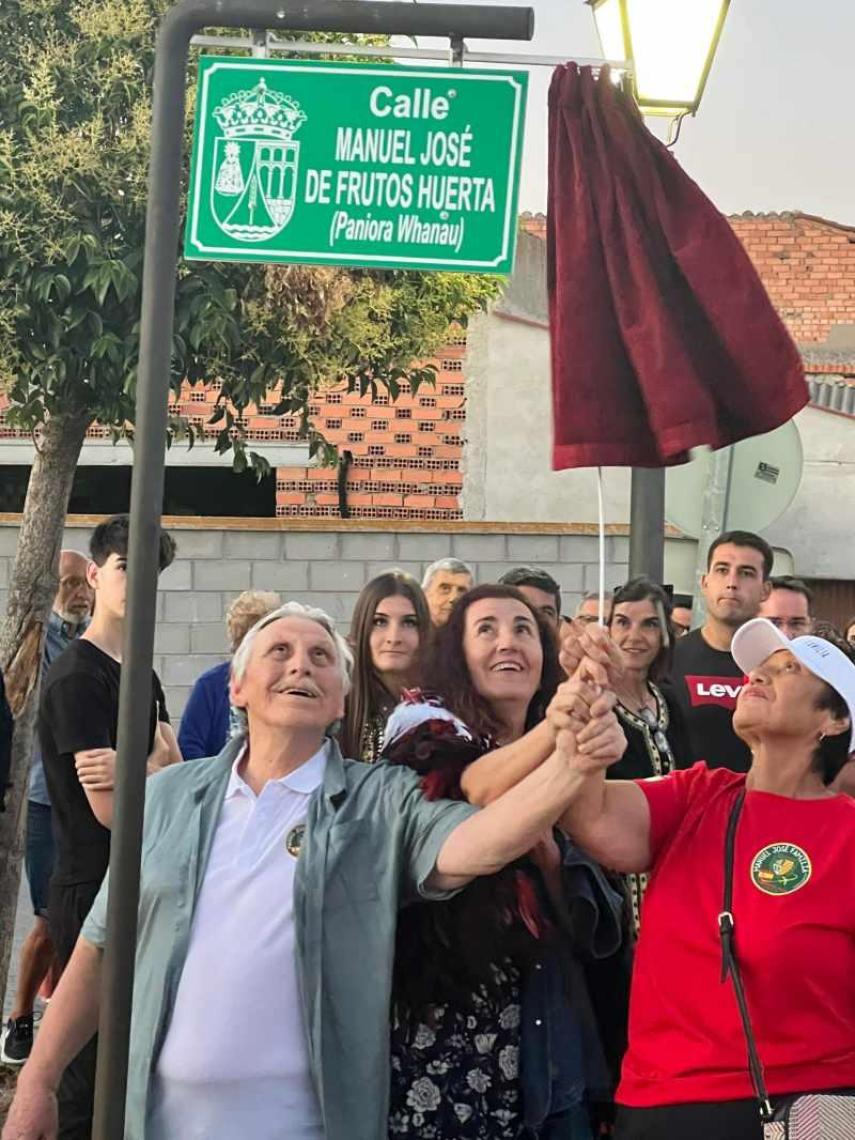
(458, 1079)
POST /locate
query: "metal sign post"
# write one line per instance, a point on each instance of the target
(355, 164)
(647, 523)
(183, 21)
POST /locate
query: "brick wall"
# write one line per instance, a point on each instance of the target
(406, 452)
(808, 267)
(327, 566)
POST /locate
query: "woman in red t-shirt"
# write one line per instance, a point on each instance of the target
(685, 1075)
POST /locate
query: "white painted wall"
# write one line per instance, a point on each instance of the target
(507, 457)
(508, 473)
(819, 525)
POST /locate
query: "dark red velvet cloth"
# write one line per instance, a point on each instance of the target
(663, 337)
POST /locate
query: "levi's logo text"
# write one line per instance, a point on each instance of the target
(780, 869)
(714, 690)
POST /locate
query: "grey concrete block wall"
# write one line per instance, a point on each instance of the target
(326, 568)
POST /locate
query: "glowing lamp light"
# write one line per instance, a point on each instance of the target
(670, 45)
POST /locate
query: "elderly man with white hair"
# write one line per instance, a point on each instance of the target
(445, 582)
(270, 883)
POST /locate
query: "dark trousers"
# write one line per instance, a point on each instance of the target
(67, 912)
(39, 855)
(728, 1120)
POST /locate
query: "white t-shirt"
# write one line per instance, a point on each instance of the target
(234, 1064)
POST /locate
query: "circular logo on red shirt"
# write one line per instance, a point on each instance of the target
(780, 869)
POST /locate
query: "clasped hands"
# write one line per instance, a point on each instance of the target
(581, 714)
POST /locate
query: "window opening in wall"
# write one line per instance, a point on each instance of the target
(192, 491)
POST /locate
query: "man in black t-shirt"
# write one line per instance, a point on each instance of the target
(704, 678)
(78, 719)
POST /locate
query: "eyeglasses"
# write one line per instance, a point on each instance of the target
(795, 625)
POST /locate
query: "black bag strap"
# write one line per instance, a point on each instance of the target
(730, 966)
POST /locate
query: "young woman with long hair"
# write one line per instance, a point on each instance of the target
(388, 634)
(493, 1037)
(641, 628)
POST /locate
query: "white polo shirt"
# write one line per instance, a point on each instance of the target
(234, 1064)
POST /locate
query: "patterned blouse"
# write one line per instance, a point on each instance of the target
(649, 753)
(371, 741)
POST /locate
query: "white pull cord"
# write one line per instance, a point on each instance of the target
(602, 536)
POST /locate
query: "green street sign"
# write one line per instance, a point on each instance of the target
(355, 164)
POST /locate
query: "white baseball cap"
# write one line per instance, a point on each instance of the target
(758, 639)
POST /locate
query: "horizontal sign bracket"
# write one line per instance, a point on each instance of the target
(309, 47)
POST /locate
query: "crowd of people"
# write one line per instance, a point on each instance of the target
(459, 875)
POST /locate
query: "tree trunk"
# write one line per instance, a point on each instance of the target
(31, 593)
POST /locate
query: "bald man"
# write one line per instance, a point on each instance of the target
(68, 619)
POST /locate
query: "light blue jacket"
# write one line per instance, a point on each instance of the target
(371, 843)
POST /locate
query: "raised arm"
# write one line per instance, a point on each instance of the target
(512, 824)
(69, 1023)
(495, 773)
(508, 827)
(610, 819)
(491, 775)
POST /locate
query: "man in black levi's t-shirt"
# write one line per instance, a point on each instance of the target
(77, 725)
(704, 678)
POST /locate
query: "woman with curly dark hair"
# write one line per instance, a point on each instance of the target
(493, 1037)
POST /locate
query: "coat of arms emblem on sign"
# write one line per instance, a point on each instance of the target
(254, 181)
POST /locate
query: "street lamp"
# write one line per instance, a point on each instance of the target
(670, 45)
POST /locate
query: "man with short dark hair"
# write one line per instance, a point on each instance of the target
(681, 614)
(789, 606)
(78, 724)
(588, 610)
(704, 678)
(539, 589)
(68, 619)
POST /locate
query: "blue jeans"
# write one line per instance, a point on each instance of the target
(39, 855)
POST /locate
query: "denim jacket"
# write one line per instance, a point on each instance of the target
(370, 845)
(562, 1058)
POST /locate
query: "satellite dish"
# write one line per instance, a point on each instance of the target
(765, 474)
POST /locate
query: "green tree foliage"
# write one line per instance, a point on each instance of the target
(75, 82)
